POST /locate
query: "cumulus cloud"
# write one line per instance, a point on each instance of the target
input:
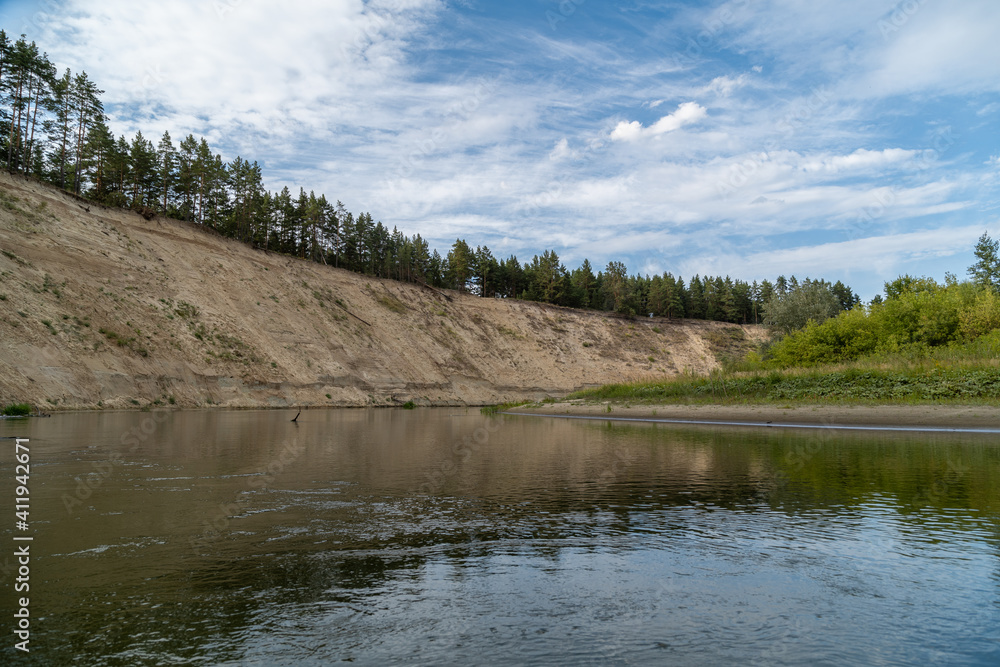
(285, 69)
(686, 113)
(501, 135)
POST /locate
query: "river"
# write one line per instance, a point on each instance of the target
(446, 537)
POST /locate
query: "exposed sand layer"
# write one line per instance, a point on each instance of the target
(197, 319)
(944, 416)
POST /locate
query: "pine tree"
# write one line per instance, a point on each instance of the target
(60, 128)
(986, 270)
(98, 151)
(460, 260)
(616, 289)
(675, 298)
(166, 159)
(142, 159)
(187, 176)
(696, 303)
(88, 109)
(585, 284)
(485, 272)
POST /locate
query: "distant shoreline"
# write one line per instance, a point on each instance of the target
(899, 417)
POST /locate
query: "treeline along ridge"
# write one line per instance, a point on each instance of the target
(53, 127)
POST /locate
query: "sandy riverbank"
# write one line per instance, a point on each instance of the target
(100, 308)
(942, 416)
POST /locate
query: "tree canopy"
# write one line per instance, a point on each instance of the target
(53, 128)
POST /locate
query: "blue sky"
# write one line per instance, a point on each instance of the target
(852, 140)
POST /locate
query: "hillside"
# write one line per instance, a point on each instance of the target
(102, 308)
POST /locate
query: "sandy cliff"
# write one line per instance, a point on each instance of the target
(99, 307)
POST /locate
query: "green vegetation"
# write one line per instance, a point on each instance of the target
(497, 409)
(917, 316)
(124, 341)
(392, 303)
(17, 410)
(855, 384)
(188, 180)
(409, 405)
(791, 309)
(186, 310)
(923, 341)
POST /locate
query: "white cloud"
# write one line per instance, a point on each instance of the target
(725, 85)
(989, 109)
(886, 256)
(385, 105)
(561, 150)
(285, 68)
(939, 47)
(860, 159)
(686, 113)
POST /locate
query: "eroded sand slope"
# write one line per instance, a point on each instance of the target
(103, 308)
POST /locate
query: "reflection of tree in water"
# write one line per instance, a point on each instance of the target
(622, 487)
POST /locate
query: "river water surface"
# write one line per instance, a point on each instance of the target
(444, 537)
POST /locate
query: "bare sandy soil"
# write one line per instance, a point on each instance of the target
(942, 416)
(101, 308)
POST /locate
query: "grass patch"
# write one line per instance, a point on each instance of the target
(729, 345)
(507, 331)
(17, 410)
(234, 349)
(186, 310)
(851, 385)
(496, 409)
(14, 258)
(392, 303)
(955, 373)
(124, 341)
(409, 405)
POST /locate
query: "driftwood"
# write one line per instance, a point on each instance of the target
(436, 291)
(354, 316)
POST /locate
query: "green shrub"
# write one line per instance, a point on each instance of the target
(981, 317)
(17, 410)
(919, 314)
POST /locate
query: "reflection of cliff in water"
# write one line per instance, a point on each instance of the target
(376, 507)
